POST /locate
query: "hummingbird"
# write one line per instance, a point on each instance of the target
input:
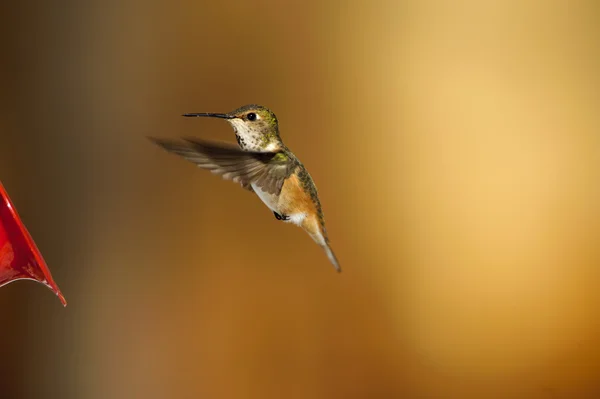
(262, 164)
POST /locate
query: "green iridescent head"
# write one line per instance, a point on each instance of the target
(256, 127)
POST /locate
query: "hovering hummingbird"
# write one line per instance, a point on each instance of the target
(262, 164)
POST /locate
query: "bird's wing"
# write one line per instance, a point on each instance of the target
(268, 170)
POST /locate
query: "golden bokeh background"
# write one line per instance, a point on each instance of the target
(456, 147)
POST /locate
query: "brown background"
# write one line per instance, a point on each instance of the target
(457, 153)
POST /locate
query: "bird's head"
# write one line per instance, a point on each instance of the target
(256, 127)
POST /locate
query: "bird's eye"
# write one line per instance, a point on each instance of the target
(251, 116)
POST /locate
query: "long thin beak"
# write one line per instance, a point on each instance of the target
(210, 115)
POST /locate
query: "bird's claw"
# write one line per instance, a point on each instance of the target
(281, 217)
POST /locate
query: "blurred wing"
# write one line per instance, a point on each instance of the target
(268, 170)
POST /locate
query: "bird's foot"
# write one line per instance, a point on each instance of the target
(281, 217)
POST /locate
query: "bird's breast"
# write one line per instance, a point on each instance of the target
(293, 201)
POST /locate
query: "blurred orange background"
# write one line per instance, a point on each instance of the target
(456, 150)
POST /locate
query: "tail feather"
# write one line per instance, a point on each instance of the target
(317, 231)
(332, 258)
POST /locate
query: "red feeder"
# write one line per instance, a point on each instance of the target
(20, 258)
